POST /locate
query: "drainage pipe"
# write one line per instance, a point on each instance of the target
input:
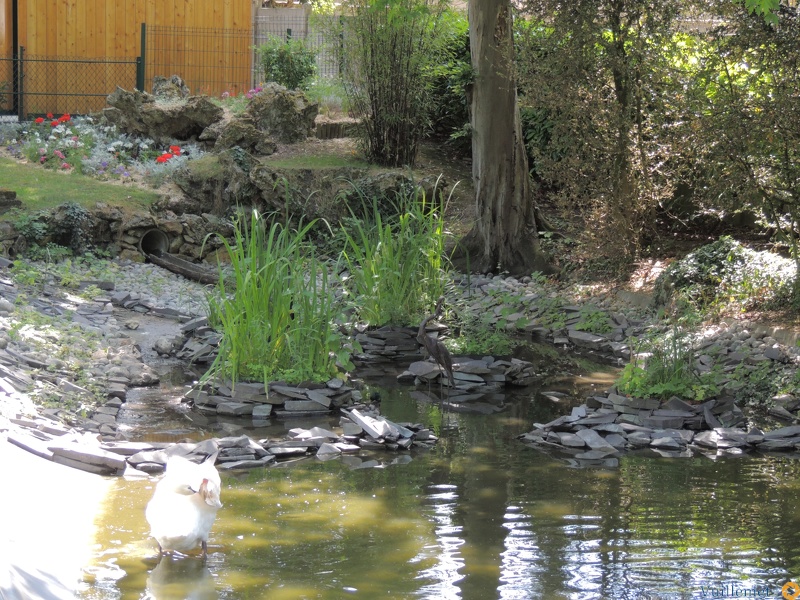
(154, 241)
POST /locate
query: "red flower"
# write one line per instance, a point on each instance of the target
(49, 115)
(53, 123)
(64, 118)
(39, 120)
(164, 157)
(175, 150)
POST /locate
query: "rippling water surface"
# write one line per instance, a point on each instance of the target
(479, 517)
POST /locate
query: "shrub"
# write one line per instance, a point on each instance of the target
(290, 63)
(726, 274)
(448, 78)
(748, 141)
(387, 50)
(666, 370)
(604, 120)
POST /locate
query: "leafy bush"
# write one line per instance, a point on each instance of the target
(726, 274)
(477, 334)
(71, 227)
(33, 227)
(666, 369)
(603, 122)
(593, 320)
(448, 78)
(747, 140)
(290, 63)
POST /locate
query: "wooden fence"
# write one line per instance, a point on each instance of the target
(85, 41)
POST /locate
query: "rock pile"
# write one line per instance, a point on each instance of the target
(608, 425)
(260, 402)
(360, 429)
(480, 383)
(390, 344)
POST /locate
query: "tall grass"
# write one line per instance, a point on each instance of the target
(397, 265)
(276, 311)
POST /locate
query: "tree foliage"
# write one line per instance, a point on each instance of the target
(749, 143)
(602, 93)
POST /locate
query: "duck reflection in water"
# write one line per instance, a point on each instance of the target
(184, 505)
(177, 579)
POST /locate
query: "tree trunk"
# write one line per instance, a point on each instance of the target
(504, 236)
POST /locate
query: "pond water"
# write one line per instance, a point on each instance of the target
(480, 516)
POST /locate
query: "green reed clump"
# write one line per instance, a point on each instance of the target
(396, 264)
(276, 310)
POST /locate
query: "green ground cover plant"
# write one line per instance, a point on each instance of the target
(478, 334)
(664, 367)
(726, 276)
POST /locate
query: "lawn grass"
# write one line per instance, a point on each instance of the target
(41, 189)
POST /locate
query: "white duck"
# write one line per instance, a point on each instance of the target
(184, 505)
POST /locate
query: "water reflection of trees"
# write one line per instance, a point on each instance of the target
(530, 524)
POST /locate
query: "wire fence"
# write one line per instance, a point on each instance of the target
(210, 61)
(319, 34)
(37, 85)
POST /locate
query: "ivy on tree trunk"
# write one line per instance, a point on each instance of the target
(504, 236)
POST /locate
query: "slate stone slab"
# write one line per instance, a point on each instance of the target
(261, 411)
(585, 339)
(783, 432)
(235, 409)
(321, 399)
(246, 464)
(366, 423)
(106, 461)
(778, 444)
(666, 443)
(594, 440)
(31, 444)
(300, 406)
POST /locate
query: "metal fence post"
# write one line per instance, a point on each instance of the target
(288, 35)
(21, 84)
(140, 62)
(139, 74)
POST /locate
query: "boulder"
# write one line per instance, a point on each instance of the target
(216, 183)
(243, 132)
(285, 115)
(138, 113)
(173, 88)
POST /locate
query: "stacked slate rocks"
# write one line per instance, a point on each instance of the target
(361, 430)
(609, 425)
(479, 383)
(258, 401)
